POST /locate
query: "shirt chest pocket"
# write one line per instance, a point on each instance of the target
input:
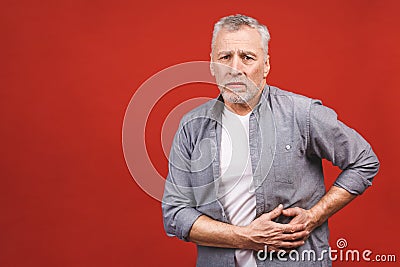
(283, 162)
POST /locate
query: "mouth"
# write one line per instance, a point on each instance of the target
(235, 85)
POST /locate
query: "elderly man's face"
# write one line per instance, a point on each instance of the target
(242, 68)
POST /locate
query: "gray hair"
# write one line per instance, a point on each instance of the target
(235, 22)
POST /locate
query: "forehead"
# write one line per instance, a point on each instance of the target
(244, 38)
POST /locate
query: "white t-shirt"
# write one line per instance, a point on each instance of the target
(236, 189)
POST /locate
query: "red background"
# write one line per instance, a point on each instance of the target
(70, 68)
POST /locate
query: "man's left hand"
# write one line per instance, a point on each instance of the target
(302, 216)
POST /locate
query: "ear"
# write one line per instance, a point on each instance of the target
(266, 67)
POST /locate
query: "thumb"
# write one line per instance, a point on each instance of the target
(291, 212)
(275, 212)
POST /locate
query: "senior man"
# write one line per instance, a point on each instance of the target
(245, 173)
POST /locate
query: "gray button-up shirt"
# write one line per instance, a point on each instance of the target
(289, 135)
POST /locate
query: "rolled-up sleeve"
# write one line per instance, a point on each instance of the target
(178, 205)
(331, 139)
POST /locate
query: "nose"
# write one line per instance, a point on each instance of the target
(236, 66)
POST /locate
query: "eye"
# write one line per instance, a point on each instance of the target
(226, 57)
(248, 58)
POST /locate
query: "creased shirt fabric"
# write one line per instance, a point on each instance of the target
(289, 135)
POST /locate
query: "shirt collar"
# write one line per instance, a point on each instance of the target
(218, 107)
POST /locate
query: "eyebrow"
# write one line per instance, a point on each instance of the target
(244, 52)
(241, 52)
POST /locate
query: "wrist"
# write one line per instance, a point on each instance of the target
(241, 237)
(317, 216)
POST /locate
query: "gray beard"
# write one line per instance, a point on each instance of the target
(233, 98)
(240, 98)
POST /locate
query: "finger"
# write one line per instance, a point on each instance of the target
(291, 212)
(272, 248)
(296, 220)
(302, 235)
(275, 212)
(292, 228)
(290, 245)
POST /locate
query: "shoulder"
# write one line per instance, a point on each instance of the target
(204, 111)
(291, 105)
(280, 95)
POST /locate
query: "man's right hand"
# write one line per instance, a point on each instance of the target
(264, 232)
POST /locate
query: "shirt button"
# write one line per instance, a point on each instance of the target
(288, 147)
